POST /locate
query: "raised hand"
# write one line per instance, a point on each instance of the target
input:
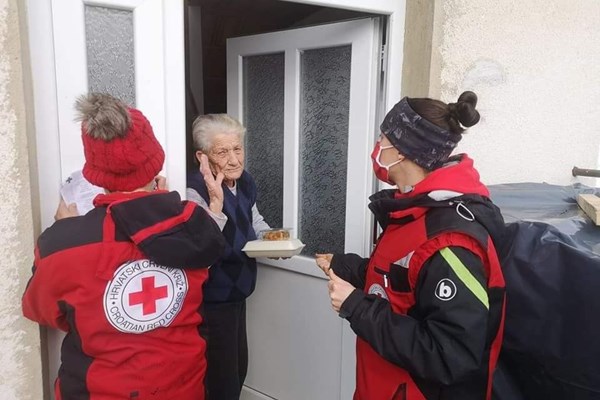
(213, 185)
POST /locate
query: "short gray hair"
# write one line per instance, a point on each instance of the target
(205, 127)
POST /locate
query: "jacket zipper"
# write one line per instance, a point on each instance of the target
(385, 275)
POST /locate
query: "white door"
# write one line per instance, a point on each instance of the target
(308, 99)
(128, 48)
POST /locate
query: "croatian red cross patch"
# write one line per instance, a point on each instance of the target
(143, 296)
(149, 295)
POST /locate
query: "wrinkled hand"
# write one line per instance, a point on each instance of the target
(324, 262)
(160, 183)
(339, 290)
(213, 185)
(65, 211)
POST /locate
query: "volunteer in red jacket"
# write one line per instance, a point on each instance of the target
(125, 280)
(428, 305)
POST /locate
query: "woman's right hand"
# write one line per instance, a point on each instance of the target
(213, 185)
(160, 183)
(324, 262)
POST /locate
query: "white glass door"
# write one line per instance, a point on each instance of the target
(127, 48)
(307, 97)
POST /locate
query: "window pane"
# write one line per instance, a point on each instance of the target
(110, 56)
(263, 117)
(325, 103)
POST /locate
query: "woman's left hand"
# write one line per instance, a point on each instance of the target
(65, 210)
(339, 290)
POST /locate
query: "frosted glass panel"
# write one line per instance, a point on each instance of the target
(110, 56)
(263, 116)
(324, 107)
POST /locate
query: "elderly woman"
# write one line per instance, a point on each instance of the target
(228, 193)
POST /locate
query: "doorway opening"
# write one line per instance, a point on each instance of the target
(209, 23)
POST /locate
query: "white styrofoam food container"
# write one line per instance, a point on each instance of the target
(273, 248)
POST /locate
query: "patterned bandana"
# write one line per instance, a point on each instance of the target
(422, 142)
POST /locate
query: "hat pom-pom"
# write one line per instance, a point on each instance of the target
(102, 116)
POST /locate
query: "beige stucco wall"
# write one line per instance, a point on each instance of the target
(535, 65)
(418, 30)
(20, 366)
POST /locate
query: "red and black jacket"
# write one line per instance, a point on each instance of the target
(429, 319)
(125, 282)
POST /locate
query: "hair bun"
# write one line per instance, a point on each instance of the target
(465, 110)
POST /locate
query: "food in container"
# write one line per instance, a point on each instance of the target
(275, 234)
(274, 243)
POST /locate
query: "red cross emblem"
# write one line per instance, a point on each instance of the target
(148, 295)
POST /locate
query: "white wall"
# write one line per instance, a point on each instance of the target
(535, 66)
(20, 364)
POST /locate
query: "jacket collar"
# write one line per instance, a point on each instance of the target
(456, 181)
(108, 199)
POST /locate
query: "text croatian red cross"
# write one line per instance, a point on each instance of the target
(148, 296)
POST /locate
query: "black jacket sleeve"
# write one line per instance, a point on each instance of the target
(444, 336)
(169, 231)
(350, 267)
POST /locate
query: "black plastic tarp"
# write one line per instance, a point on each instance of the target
(551, 264)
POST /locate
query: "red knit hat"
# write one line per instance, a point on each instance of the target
(121, 152)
